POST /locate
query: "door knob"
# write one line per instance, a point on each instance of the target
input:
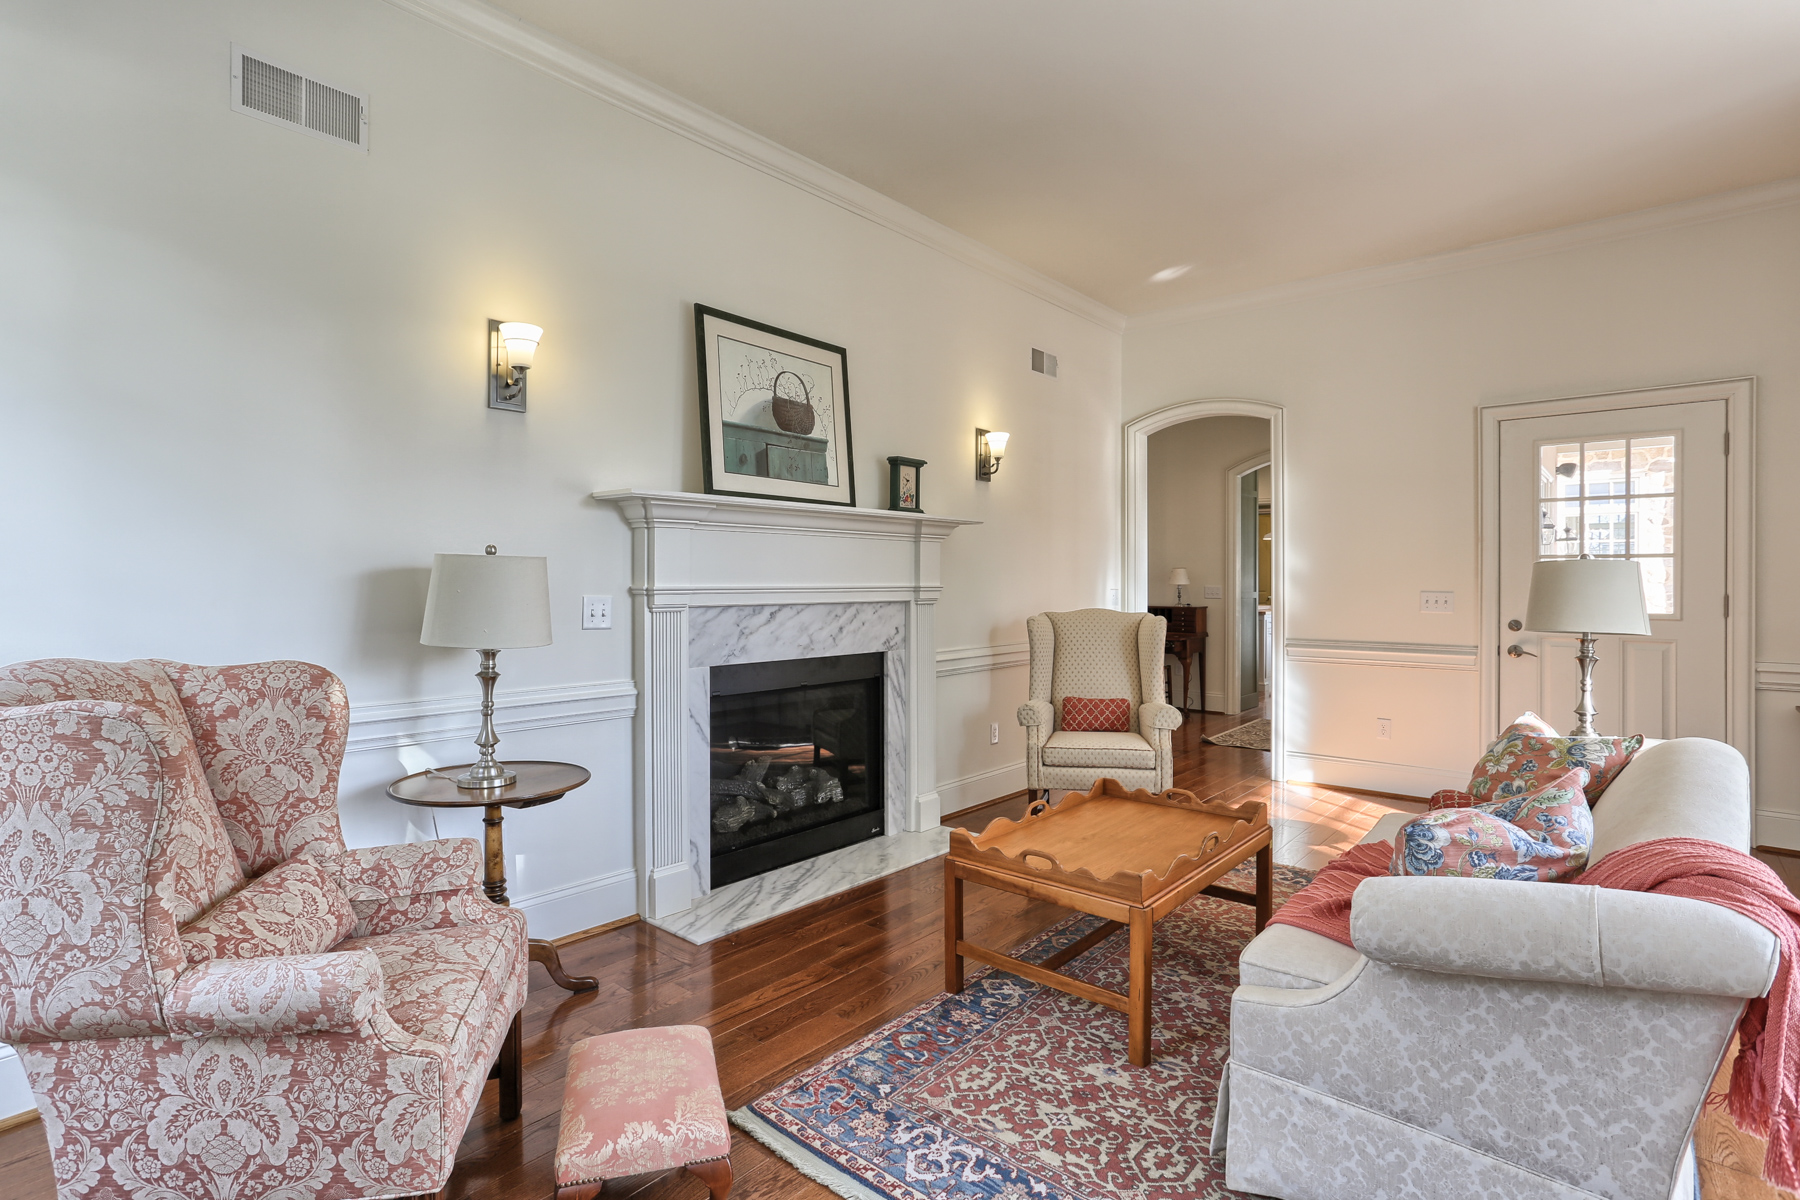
(1517, 651)
(1515, 624)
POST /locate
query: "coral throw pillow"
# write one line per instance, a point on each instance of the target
(1449, 798)
(1540, 836)
(1530, 754)
(294, 909)
(1081, 715)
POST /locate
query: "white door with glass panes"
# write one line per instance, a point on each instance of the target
(1646, 484)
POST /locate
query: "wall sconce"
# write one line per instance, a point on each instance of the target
(990, 448)
(511, 347)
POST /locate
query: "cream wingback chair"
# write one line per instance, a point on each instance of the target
(1098, 654)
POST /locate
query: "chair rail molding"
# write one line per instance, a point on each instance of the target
(457, 718)
(1135, 567)
(969, 660)
(1428, 656)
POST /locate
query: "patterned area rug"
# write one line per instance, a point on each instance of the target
(1015, 1091)
(1253, 736)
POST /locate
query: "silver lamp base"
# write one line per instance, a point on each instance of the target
(488, 771)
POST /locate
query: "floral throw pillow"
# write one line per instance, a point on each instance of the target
(1530, 753)
(1081, 715)
(1540, 836)
(294, 909)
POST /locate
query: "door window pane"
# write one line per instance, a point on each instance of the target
(1613, 498)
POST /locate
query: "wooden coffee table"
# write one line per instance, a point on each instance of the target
(1130, 857)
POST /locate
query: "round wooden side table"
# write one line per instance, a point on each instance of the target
(537, 783)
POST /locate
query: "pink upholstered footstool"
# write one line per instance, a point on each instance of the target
(638, 1101)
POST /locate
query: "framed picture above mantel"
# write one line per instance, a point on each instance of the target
(774, 412)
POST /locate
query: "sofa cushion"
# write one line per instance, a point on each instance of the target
(1126, 751)
(294, 909)
(1287, 956)
(1539, 836)
(1524, 758)
(452, 984)
(192, 863)
(1081, 714)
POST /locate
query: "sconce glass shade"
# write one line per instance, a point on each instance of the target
(1587, 596)
(487, 602)
(997, 444)
(521, 342)
(1179, 577)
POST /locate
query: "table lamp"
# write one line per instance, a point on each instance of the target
(1179, 577)
(487, 602)
(1590, 597)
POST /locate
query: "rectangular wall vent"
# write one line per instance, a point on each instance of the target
(263, 90)
(1043, 362)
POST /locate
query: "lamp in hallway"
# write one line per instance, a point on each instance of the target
(1179, 578)
(488, 602)
(1589, 597)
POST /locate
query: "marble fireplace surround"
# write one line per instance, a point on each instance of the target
(725, 579)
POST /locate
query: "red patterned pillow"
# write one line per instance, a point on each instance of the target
(1449, 798)
(1530, 753)
(1081, 715)
(294, 909)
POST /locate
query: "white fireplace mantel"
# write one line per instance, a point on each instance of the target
(693, 551)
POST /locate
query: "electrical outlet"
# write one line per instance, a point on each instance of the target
(1437, 602)
(1384, 729)
(994, 734)
(1213, 591)
(596, 612)
(1112, 597)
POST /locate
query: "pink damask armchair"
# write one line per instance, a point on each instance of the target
(213, 997)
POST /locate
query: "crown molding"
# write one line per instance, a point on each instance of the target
(606, 81)
(1716, 207)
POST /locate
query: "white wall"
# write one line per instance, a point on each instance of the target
(1191, 512)
(1381, 388)
(245, 399)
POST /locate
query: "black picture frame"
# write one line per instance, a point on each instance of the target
(897, 468)
(783, 437)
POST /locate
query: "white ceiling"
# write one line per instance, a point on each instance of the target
(1256, 141)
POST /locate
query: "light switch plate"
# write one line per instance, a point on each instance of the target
(1437, 602)
(596, 612)
(1213, 591)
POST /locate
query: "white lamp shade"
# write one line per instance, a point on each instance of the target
(521, 344)
(487, 602)
(1179, 577)
(1587, 595)
(997, 444)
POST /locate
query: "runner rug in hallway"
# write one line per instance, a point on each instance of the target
(1015, 1091)
(1251, 736)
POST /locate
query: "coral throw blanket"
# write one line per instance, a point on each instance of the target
(1764, 1097)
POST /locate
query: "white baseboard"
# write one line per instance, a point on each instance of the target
(15, 1088)
(954, 795)
(923, 811)
(560, 911)
(1402, 779)
(1778, 829)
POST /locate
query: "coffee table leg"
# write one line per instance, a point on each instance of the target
(1139, 1014)
(1265, 886)
(953, 928)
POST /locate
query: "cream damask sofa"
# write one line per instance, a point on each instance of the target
(1500, 1039)
(1099, 654)
(163, 828)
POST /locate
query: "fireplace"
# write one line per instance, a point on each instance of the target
(796, 761)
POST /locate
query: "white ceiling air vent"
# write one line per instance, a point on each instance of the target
(263, 90)
(1043, 362)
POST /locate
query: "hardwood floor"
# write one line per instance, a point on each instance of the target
(784, 993)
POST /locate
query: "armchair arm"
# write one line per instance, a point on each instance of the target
(419, 886)
(257, 997)
(1159, 716)
(1036, 714)
(1563, 933)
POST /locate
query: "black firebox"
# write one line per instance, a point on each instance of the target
(796, 761)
